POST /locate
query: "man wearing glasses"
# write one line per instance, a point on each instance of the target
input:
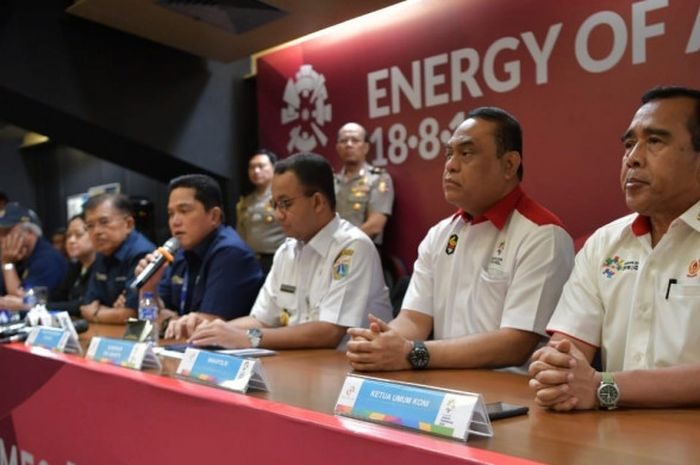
(110, 223)
(364, 192)
(325, 278)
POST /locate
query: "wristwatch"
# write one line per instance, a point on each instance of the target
(8, 266)
(255, 337)
(419, 357)
(608, 392)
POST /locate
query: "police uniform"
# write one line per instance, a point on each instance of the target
(369, 191)
(640, 304)
(257, 226)
(504, 269)
(219, 276)
(114, 274)
(336, 277)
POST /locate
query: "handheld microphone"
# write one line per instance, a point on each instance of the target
(163, 254)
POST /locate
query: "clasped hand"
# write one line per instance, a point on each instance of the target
(562, 377)
(377, 348)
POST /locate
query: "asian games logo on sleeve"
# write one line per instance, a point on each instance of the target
(613, 265)
(306, 97)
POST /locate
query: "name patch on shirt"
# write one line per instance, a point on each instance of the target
(177, 280)
(341, 267)
(120, 278)
(100, 276)
(288, 288)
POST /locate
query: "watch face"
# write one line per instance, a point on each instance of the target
(607, 394)
(419, 357)
(255, 336)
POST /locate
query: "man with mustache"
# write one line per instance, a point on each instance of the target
(487, 278)
(635, 289)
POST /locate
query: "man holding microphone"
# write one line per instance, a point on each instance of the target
(215, 275)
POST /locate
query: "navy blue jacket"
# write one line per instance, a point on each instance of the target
(219, 276)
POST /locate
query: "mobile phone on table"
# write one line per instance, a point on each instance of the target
(498, 410)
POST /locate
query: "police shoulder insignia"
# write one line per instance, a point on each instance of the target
(341, 266)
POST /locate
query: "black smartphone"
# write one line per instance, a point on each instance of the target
(498, 410)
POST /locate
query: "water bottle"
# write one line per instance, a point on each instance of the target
(148, 311)
(29, 299)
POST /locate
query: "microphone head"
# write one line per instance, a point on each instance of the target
(172, 245)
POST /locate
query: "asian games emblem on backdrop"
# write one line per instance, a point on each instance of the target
(307, 110)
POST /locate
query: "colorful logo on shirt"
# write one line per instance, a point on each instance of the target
(693, 268)
(613, 265)
(451, 244)
(341, 267)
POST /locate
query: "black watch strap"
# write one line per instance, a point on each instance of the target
(419, 357)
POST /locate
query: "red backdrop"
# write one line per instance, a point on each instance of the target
(572, 72)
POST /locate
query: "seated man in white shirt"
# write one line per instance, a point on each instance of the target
(325, 277)
(487, 278)
(635, 289)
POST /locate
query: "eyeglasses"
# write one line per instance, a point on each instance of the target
(284, 204)
(103, 222)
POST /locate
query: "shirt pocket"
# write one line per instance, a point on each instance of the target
(489, 297)
(677, 338)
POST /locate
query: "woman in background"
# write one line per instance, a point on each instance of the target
(68, 296)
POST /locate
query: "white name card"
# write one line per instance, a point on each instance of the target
(225, 371)
(442, 412)
(55, 339)
(130, 354)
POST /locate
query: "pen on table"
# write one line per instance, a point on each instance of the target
(671, 282)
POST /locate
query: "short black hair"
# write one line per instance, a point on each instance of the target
(509, 134)
(119, 201)
(206, 189)
(4, 197)
(269, 153)
(664, 92)
(314, 173)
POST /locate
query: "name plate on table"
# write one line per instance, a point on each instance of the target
(441, 412)
(56, 339)
(136, 355)
(226, 371)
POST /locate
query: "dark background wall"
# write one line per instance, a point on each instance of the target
(116, 108)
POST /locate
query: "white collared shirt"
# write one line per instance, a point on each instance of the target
(336, 277)
(491, 278)
(616, 298)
